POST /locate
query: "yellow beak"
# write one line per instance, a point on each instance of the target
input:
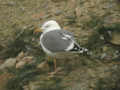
(37, 30)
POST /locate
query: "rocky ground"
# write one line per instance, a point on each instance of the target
(96, 25)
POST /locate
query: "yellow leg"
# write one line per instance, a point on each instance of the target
(48, 58)
(55, 64)
(51, 74)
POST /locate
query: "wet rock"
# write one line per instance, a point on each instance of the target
(8, 63)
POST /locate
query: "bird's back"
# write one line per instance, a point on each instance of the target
(55, 41)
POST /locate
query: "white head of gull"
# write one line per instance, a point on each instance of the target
(50, 26)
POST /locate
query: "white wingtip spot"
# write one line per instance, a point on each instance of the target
(81, 51)
(85, 49)
(64, 38)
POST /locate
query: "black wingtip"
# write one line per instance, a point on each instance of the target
(75, 48)
(79, 49)
(83, 50)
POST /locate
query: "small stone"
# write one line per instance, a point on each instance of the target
(20, 56)
(103, 55)
(38, 16)
(117, 52)
(105, 48)
(46, 16)
(26, 87)
(101, 37)
(34, 85)
(115, 38)
(70, 17)
(53, 73)
(58, 12)
(41, 65)
(24, 60)
(20, 64)
(90, 53)
(22, 9)
(110, 33)
(28, 59)
(11, 3)
(78, 12)
(8, 63)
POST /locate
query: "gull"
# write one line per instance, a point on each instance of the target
(55, 40)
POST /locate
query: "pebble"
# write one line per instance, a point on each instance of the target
(70, 17)
(41, 65)
(46, 16)
(116, 54)
(101, 37)
(22, 9)
(58, 12)
(115, 38)
(8, 63)
(11, 3)
(24, 60)
(20, 56)
(103, 55)
(20, 64)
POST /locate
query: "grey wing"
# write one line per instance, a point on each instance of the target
(68, 33)
(57, 41)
